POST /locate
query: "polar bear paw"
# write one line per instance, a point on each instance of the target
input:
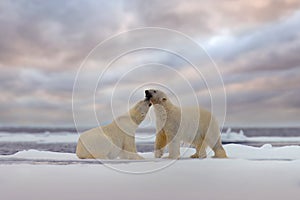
(158, 153)
(196, 155)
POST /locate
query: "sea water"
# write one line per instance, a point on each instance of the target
(14, 139)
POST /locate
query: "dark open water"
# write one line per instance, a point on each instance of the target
(7, 148)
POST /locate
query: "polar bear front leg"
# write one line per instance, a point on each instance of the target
(129, 149)
(174, 149)
(160, 143)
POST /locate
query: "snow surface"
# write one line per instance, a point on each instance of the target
(264, 172)
(272, 173)
(234, 151)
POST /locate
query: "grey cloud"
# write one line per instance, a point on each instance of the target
(42, 44)
(29, 80)
(204, 18)
(62, 32)
(289, 100)
(293, 100)
(276, 37)
(280, 58)
(266, 98)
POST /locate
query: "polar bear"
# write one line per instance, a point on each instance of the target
(195, 126)
(116, 139)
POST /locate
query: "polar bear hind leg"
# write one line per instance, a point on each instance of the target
(219, 150)
(213, 139)
(200, 150)
(82, 152)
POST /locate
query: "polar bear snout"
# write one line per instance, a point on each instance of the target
(155, 96)
(148, 95)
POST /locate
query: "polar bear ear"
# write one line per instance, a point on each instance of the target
(164, 99)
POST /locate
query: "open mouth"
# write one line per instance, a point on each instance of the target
(148, 95)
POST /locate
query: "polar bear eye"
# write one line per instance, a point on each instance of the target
(154, 91)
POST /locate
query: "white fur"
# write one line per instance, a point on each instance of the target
(116, 139)
(192, 125)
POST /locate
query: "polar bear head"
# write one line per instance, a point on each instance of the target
(139, 111)
(156, 96)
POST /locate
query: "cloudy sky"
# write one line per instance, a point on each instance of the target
(255, 45)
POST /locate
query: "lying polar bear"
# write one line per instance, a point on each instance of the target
(194, 126)
(116, 139)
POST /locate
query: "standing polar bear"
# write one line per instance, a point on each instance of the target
(116, 139)
(195, 126)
